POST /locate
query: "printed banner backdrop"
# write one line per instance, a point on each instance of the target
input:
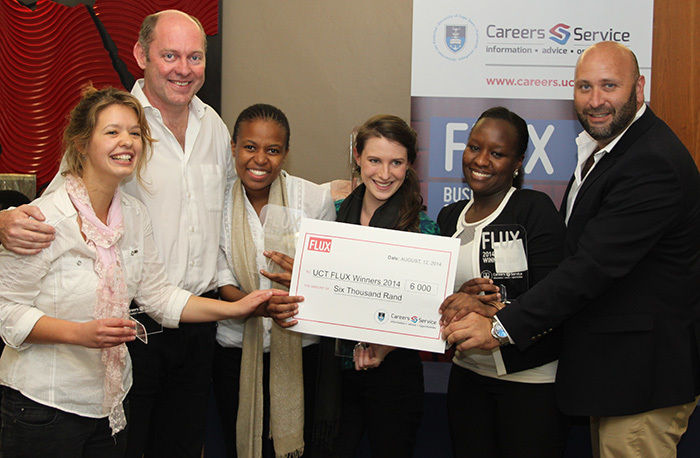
(469, 56)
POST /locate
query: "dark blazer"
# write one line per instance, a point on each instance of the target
(545, 228)
(627, 297)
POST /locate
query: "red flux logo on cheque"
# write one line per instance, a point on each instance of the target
(319, 244)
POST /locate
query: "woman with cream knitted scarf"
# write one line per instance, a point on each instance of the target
(264, 376)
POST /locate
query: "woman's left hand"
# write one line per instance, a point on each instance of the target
(285, 262)
(369, 356)
(103, 333)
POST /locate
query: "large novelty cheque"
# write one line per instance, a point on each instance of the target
(372, 285)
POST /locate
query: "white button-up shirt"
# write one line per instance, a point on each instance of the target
(61, 282)
(185, 192)
(586, 145)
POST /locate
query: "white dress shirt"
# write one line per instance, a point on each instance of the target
(185, 192)
(305, 199)
(61, 282)
(586, 145)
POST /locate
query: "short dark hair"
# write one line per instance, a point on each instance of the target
(521, 133)
(266, 113)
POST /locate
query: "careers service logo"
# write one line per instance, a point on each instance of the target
(560, 33)
(455, 37)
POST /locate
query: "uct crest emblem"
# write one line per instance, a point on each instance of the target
(455, 37)
(380, 316)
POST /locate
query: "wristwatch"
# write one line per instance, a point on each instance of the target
(499, 333)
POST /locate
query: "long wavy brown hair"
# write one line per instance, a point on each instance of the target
(397, 130)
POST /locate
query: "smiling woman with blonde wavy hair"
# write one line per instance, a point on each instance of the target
(64, 312)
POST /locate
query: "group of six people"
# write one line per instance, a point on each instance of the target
(201, 225)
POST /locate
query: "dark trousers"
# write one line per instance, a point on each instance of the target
(495, 418)
(387, 402)
(33, 430)
(227, 371)
(172, 379)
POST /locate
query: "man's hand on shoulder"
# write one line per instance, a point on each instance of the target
(22, 232)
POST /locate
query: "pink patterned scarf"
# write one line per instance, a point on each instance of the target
(112, 297)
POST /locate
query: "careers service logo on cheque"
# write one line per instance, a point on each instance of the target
(455, 37)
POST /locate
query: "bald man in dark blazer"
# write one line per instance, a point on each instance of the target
(627, 297)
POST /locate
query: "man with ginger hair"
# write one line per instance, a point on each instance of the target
(185, 181)
(186, 177)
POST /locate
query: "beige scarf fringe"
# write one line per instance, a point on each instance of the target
(286, 377)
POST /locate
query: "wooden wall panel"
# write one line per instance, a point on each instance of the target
(675, 80)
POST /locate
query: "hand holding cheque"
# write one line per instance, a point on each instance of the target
(285, 262)
(369, 284)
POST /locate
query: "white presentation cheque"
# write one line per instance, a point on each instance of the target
(372, 285)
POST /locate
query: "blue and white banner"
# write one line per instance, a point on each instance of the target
(469, 56)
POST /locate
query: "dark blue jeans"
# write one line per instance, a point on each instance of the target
(33, 430)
